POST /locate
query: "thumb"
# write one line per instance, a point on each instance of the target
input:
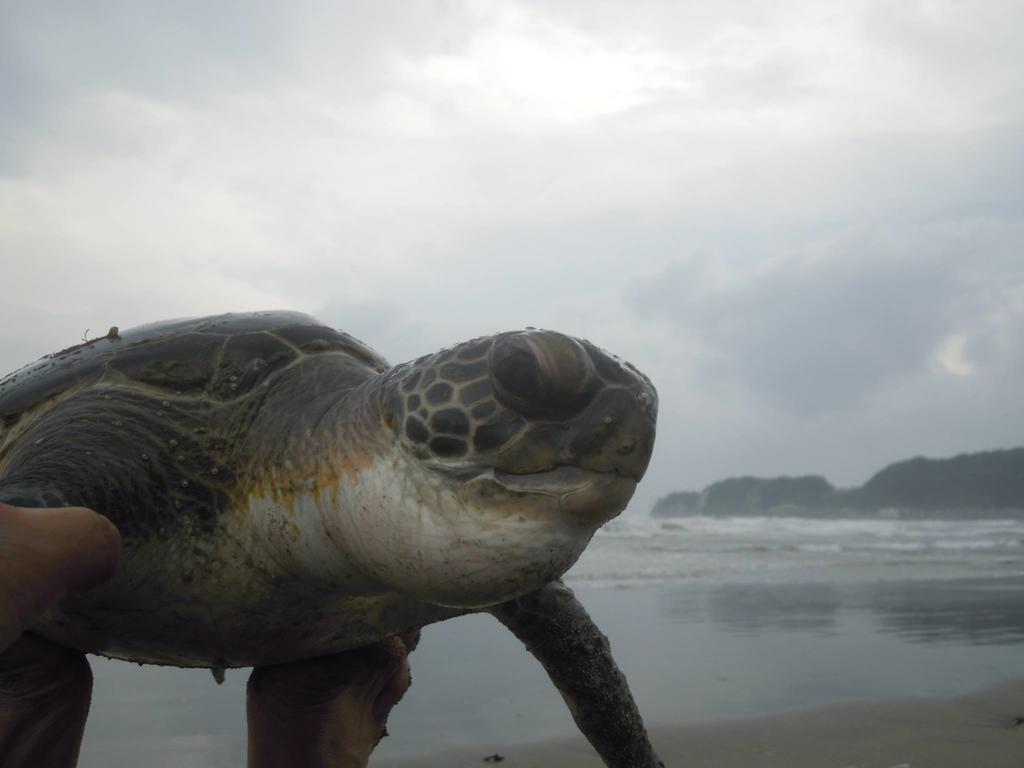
(92, 544)
(46, 552)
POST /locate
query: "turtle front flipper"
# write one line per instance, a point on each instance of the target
(560, 634)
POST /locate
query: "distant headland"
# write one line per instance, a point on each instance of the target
(987, 484)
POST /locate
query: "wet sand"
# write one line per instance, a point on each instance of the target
(979, 730)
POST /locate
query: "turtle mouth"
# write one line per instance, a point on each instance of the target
(584, 495)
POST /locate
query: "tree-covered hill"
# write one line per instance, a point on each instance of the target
(976, 483)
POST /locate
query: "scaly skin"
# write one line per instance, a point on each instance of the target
(559, 632)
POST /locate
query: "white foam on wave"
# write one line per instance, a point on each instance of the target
(639, 550)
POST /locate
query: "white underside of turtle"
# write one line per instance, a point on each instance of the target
(325, 573)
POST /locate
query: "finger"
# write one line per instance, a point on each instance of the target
(85, 542)
(46, 552)
(410, 640)
(305, 712)
(44, 700)
(312, 684)
(391, 691)
(372, 677)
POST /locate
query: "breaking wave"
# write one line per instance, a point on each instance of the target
(635, 551)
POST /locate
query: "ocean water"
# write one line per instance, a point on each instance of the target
(645, 551)
(709, 619)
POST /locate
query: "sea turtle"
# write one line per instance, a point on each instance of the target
(282, 492)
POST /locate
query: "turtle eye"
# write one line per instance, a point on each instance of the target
(542, 374)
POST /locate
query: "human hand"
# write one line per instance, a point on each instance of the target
(328, 712)
(45, 688)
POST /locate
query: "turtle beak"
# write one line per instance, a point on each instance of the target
(616, 433)
(589, 497)
(600, 500)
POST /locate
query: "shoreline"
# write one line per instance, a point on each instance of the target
(984, 728)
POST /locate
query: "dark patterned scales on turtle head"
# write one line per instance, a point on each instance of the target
(525, 402)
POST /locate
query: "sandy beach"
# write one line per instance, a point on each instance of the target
(979, 730)
(753, 661)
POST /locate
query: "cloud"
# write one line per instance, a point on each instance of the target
(521, 70)
(850, 180)
(952, 356)
(828, 328)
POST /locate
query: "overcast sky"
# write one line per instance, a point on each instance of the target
(804, 220)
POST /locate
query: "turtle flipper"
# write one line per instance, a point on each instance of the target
(559, 632)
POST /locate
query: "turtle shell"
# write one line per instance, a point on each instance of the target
(221, 357)
(168, 430)
(147, 425)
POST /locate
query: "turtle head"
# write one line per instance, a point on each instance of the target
(512, 450)
(536, 412)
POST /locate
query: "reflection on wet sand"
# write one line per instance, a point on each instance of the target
(799, 607)
(977, 612)
(972, 611)
(692, 652)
